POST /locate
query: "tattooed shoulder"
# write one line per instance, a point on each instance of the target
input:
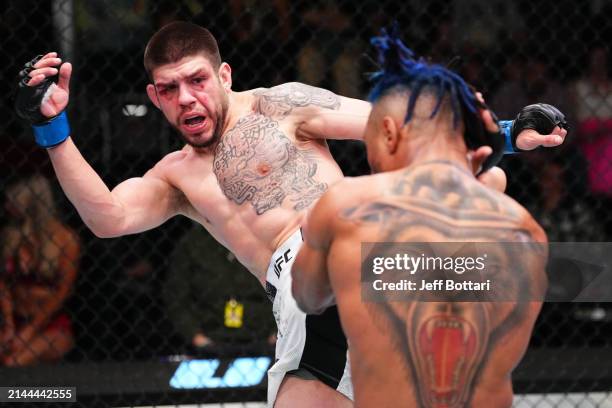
(438, 201)
(279, 101)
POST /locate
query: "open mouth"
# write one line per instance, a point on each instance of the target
(194, 123)
(448, 353)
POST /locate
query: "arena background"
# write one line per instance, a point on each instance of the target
(137, 301)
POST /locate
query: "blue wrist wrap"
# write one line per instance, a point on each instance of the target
(506, 129)
(52, 133)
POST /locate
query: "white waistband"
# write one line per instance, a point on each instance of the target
(283, 258)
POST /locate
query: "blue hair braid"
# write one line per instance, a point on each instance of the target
(400, 68)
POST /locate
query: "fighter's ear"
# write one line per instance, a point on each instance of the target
(391, 134)
(225, 76)
(152, 93)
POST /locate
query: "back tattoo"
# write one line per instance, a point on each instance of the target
(444, 343)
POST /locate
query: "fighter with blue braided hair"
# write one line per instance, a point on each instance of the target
(252, 164)
(400, 68)
(424, 336)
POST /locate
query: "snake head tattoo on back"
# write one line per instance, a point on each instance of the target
(443, 342)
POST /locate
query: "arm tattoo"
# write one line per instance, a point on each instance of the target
(444, 343)
(255, 162)
(278, 102)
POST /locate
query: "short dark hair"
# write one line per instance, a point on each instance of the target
(178, 40)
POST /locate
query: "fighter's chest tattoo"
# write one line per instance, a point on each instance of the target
(255, 162)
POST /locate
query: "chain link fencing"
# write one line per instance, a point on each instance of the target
(121, 318)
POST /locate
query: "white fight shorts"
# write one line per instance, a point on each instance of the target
(313, 344)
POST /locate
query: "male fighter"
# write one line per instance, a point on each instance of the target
(427, 347)
(253, 163)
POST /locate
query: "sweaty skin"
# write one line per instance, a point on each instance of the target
(250, 190)
(441, 353)
(254, 163)
(419, 348)
(254, 186)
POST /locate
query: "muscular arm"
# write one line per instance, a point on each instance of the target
(319, 113)
(311, 286)
(135, 205)
(348, 122)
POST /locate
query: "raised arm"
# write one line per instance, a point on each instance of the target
(311, 286)
(319, 113)
(348, 121)
(134, 205)
(323, 114)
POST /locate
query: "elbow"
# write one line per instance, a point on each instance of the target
(104, 231)
(305, 302)
(98, 232)
(309, 296)
(105, 219)
(308, 307)
(296, 292)
(101, 234)
(314, 310)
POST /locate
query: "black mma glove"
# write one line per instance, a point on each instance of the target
(540, 117)
(48, 132)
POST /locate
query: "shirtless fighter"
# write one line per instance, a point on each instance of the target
(253, 163)
(425, 349)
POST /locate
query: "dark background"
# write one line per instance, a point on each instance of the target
(516, 53)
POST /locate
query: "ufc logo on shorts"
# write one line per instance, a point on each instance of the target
(278, 262)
